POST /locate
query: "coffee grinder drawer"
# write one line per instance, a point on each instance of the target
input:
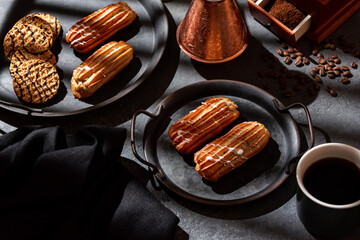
(323, 17)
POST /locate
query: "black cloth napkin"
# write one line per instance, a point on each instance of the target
(57, 186)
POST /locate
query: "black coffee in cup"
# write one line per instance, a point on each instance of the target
(334, 181)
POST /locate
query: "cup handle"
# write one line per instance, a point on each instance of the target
(155, 169)
(282, 108)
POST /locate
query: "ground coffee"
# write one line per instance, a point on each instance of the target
(286, 13)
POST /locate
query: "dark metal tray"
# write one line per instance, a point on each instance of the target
(147, 35)
(256, 178)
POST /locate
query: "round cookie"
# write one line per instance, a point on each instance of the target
(38, 34)
(30, 32)
(22, 55)
(35, 81)
(12, 41)
(53, 21)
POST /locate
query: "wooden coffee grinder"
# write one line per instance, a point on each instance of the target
(323, 18)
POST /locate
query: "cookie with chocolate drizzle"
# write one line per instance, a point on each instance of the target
(32, 33)
(50, 19)
(35, 81)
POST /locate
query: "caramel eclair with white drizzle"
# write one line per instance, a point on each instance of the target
(99, 26)
(231, 150)
(202, 124)
(100, 67)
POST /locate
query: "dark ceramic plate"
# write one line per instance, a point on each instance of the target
(147, 35)
(256, 178)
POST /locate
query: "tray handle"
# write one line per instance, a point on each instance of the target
(20, 106)
(155, 168)
(295, 159)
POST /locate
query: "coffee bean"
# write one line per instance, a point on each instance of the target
(326, 45)
(331, 75)
(320, 55)
(332, 46)
(299, 58)
(299, 54)
(297, 50)
(328, 88)
(330, 59)
(275, 59)
(293, 55)
(337, 73)
(283, 45)
(345, 80)
(337, 60)
(331, 64)
(322, 72)
(322, 61)
(313, 74)
(283, 69)
(327, 67)
(287, 60)
(306, 61)
(353, 65)
(286, 53)
(291, 50)
(344, 68)
(334, 56)
(315, 69)
(298, 62)
(315, 52)
(337, 68)
(280, 52)
(333, 93)
(347, 74)
(318, 79)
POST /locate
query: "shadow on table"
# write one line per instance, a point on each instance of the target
(257, 66)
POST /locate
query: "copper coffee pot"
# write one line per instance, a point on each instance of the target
(212, 31)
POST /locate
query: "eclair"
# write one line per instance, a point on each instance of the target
(100, 68)
(99, 26)
(202, 124)
(231, 150)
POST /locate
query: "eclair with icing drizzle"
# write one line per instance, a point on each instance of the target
(100, 67)
(202, 124)
(231, 150)
(99, 26)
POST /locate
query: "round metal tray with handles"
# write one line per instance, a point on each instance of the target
(256, 178)
(148, 36)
